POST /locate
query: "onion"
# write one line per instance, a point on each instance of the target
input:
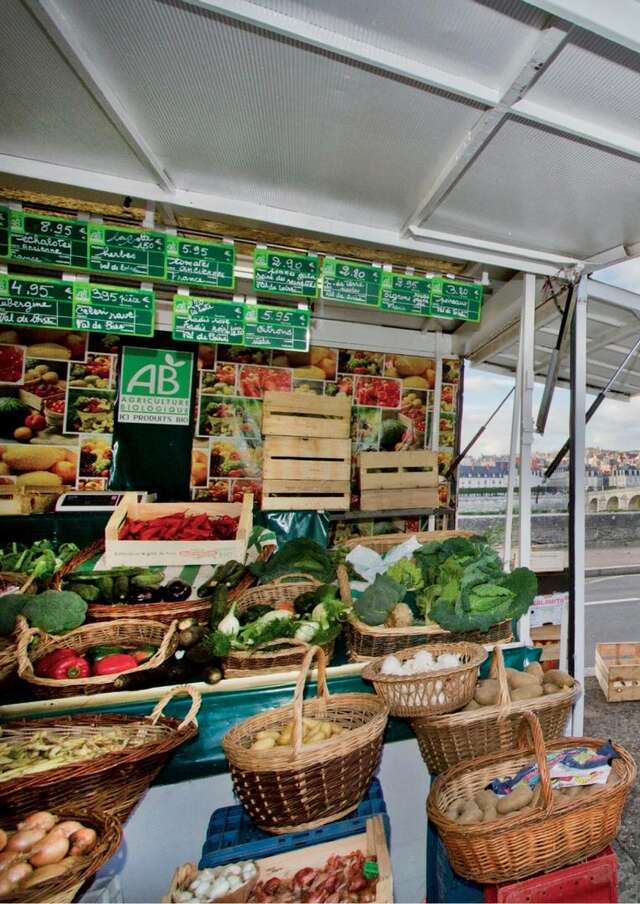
(83, 841)
(7, 888)
(25, 839)
(3, 840)
(40, 820)
(68, 827)
(52, 849)
(7, 858)
(52, 871)
(17, 872)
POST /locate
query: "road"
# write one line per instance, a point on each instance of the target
(612, 611)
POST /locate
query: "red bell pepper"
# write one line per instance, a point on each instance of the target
(76, 667)
(114, 664)
(49, 660)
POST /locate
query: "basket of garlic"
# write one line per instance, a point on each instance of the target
(231, 883)
(427, 680)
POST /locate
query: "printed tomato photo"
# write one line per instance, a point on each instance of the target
(221, 381)
(12, 359)
(379, 391)
(240, 487)
(255, 381)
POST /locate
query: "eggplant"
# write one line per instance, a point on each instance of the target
(140, 595)
(212, 675)
(176, 592)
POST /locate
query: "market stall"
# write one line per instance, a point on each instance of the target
(233, 331)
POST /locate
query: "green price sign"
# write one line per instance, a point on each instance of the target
(405, 294)
(110, 309)
(155, 386)
(32, 301)
(208, 320)
(48, 240)
(283, 273)
(123, 251)
(202, 263)
(349, 282)
(455, 300)
(282, 328)
(4, 231)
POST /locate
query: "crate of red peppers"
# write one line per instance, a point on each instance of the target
(178, 533)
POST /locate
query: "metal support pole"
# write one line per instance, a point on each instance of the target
(435, 417)
(526, 434)
(576, 632)
(513, 460)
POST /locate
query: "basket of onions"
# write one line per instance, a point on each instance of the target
(231, 883)
(49, 855)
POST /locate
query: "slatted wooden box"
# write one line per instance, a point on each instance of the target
(618, 671)
(306, 473)
(394, 480)
(304, 414)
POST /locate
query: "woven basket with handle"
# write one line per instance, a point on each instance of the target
(111, 783)
(8, 653)
(446, 740)
(276, 655)
(557, 832)
(65, 888)
(429, 693)
(125, 632)
(304, 786)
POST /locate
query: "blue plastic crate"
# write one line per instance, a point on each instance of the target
(232, 836)
(443, 885)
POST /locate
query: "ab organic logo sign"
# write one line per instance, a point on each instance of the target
(155, 386)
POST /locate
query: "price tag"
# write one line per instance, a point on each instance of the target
(48, 240)
(351, 283)
(33, 301)
(455, 300)
(404, 294)
(131, 252)
(110, 309)
(284, 273)
(281, 328)
(4, 231)
(198, 262)
(208, 320)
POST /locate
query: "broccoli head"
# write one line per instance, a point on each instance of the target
(55, 611)
(10, 607)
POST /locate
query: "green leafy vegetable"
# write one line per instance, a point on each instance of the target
(301, 556)
(407, 573)
(375, 603)
(10, 607)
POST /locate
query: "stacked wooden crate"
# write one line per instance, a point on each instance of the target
(307, 452)
(398, 480)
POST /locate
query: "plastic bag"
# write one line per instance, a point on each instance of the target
(293, 525)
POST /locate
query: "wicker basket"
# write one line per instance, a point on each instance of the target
(446, 740)
(65, 888)
(291, 789)
(547, 838)
(385, 542)
(429, 693)
(8, 653)
(185, 874)
(124, 632)
(276, 655)
(112, 783)
(160, 612)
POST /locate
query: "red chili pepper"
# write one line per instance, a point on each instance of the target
(76, 667)
(47, 662)
(112, 665)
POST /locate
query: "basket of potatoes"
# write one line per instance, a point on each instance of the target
(491, 720)
(508, 836)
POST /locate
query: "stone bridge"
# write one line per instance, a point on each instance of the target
(622, 499)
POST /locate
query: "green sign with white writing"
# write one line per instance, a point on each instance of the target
(48, 240)
(351, 283)
(131, 252)
(454, 300)
(34, 301)
(281, 328)
(113, 309)
(285, 273)
(4, 231)
(208, 320)
(405, 294)
(200, 262)
(155, 386)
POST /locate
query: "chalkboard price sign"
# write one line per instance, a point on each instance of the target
(48, 240)
(455, 300)
(285, 273)
(32, 301)
(349, 282)
(110, 309)
(131, 252)
(199, 262)
(4, 231)
(405, 294)
(208, 320)
(281, 328)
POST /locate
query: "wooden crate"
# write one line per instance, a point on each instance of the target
(176, 552)
(618, 670)
(392, 480)
(306, 473)
(306, 415)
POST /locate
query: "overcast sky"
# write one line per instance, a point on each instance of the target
(616, 424)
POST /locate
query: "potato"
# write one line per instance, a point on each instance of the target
(515, 801)
(471, 813)
(518, 679)
(317, 353)
(263, 744)
(556, 676)
(489, 814)
(530, 692)
(486, 799)
(415, 383)
(486, 693)
(535, 669)
(550, 688)
(453, 812)
(32, 458)
(38, 479)
(410, 365)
